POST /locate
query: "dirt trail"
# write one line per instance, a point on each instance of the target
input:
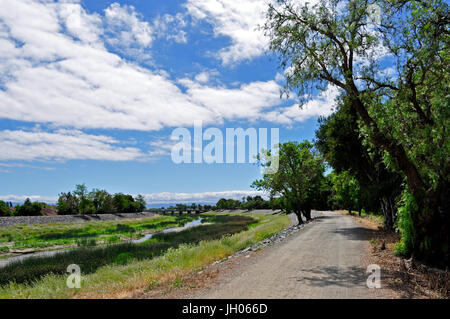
(324, 260)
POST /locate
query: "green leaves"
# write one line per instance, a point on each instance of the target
(298, 178)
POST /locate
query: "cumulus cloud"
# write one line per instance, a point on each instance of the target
(55, 68)
(323, 105)
(126, 27)
(248, 101)
(170, 27)
(54, 78)
(63, 145)
(238, 20)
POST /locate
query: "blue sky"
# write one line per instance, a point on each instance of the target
(90, 92)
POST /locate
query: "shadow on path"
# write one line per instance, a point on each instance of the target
(334, 276)
(356, 233)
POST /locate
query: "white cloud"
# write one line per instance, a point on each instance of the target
(63, 145)
(20, 165)
(55, 69)
(323, 105)
(205, 197)
(85, 27)
(237, 20)
(53, 78)
(170, 27)
(33, 198)
(127, 27)
(245, 102)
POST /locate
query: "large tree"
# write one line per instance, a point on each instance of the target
(390, 58)
(297, 180)
(339, 140)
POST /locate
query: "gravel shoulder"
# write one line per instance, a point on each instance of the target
(325, 259)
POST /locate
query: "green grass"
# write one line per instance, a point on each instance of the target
(71, 234)
(120, 269)
(90, 259)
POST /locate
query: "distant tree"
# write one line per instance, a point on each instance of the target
(221, 204)
(181, 207)
(29, 209)
(125, 203)
(67, 204)
(85, 205)
(140, 200)
(102, 201)
(4, 209)
(297, 180)
(347, 192)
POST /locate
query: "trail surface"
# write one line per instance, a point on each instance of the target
(324, 260)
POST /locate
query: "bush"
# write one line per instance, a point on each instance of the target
(405, 224)
(4, 209)
(29, 209)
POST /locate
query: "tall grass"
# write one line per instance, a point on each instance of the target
(90, 259)
(176, 254)
(47, 235)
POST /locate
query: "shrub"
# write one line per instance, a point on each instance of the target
(405, 224)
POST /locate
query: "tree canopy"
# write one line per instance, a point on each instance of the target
(298, 179)
(393, 68)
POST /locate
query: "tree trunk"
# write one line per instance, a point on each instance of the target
(349, 211)
(389, 212)
(307, 214)
(359, 212)
(299, 217)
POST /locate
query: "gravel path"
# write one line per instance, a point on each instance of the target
(322, 260)
(29, 220)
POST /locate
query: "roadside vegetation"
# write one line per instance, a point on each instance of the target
(86, 233)
(121, 269)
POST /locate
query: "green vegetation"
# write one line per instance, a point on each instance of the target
(97, 201)
(298, 179)
(402, 117)
(103, 232)
(374, 186)
(4, 209)
(114, 270)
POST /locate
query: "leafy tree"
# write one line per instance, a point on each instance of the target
(406, 115)
(224, 203)
(4, 209)
(67, 204)
(339, 140)
(141, 203)
(346, 191)
(29, 209)
(102, 201)
(125, 204)
(85, 206)
(297, 180)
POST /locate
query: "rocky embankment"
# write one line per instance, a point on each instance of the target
(277, 238)
(30, 220)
